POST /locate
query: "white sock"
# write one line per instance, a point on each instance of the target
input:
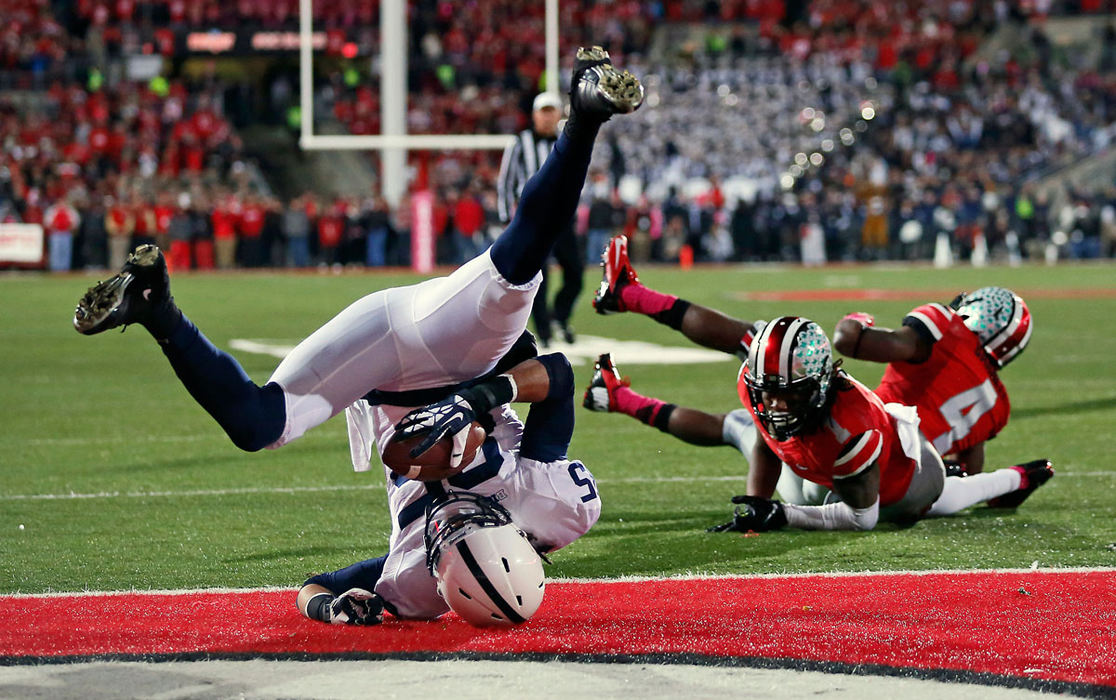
(961, 492)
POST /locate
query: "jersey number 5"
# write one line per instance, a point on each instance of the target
(580, 476)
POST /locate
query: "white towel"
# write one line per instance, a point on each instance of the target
(362, 445)
(906, 424)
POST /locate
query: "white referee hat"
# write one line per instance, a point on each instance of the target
(546, 99)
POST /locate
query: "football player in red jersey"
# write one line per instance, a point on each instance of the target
(827, 427)
(833, 431)
(945, 360)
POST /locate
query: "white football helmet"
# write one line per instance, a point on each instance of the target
(487, 571)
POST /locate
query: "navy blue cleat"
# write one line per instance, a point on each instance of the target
(128, 297)
(598, 90)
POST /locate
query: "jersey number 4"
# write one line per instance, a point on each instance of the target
(963, 411)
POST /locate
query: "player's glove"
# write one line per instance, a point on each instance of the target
(954, 468)
(454, 415)
(864, 319)
(356, 606)
(451, 416)
(754, 514)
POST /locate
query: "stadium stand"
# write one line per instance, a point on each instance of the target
(827, 130)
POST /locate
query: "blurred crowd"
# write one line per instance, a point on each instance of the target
(833, 130)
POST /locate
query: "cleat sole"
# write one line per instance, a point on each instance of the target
(623, 90)
(144, 256)
(592, 54)
(99, 303)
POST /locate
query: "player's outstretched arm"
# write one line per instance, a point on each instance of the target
(532, 381)
(756, 511)
(764, 471)
(855, 336)
(859, 508)
(454, 415)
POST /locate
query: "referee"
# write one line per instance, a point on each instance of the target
(521, 160)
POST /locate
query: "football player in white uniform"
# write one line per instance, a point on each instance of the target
(521, 469)
(401, 347)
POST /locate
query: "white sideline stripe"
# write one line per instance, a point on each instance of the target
(619, 579)
(110, 439)
(215, 436)
(309, 489)
(248, 490)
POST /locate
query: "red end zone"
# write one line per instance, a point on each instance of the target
(1040, 625)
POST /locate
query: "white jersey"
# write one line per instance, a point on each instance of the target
(553, 502)
(438, 332)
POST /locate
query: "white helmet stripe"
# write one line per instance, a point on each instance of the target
(1009, 355)
(755, 353)
(785, 361)
(1009, 329)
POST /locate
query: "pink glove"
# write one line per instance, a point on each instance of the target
(862, 318)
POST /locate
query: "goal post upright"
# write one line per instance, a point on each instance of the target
(395, 142)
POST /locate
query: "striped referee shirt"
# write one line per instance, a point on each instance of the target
(522, 159)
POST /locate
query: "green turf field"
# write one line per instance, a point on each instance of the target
(120, 481)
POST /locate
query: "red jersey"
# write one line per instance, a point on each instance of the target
(957, 392)
(857, 433)
(251, 221)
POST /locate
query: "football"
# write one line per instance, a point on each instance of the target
(432, 465)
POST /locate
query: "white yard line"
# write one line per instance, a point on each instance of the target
(619, 579)
(250, 490)
(303, 489)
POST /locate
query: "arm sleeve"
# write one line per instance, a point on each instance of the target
(859, 453)
(835, 516)
(930, 321)
(549, 426)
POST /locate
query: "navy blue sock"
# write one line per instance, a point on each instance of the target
(546, 207)
(550, 423)
(363, 574)
(253, 416)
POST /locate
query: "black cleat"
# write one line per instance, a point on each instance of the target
(598, 90)
(127, 297)
(1035, 474)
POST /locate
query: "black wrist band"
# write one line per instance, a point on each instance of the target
(860, 337)
(489, 394)
(317, 608)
